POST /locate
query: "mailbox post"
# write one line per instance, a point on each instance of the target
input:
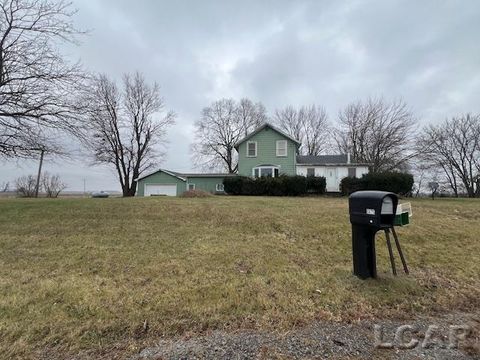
(370, 211)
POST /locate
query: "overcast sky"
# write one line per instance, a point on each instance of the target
(278, 52)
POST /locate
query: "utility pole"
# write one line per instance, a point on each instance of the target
(42, 151)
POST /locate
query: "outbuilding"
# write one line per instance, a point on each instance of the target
(170, 183)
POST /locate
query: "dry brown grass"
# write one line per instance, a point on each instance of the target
(195, 194)
(85, 274)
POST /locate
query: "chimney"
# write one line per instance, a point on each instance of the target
(348, 158)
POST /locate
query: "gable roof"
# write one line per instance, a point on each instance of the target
(260, 128)
(207, 175)
(184, 176)
(171, 173)
(341, 159)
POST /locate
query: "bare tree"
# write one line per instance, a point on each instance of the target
(26, 186)
(4, 187)
(420, 172)
(433, 187)
(377, 132)
(37, 85)
(477, 186)
(220, 127)
(454, 147)
(287, 120)
(52, 185)
(309, 125)
(127, 128)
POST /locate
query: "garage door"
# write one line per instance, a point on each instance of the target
(169, 190)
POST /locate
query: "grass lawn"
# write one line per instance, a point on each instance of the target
(81, 274)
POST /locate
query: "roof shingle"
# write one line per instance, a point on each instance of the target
(323, 159)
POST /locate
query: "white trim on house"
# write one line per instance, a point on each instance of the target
(248, 149)
(188, 186)
(281, 151)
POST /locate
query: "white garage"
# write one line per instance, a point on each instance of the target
(157, 189)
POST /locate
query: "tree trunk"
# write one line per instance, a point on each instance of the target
(471, 192)
(130, 189)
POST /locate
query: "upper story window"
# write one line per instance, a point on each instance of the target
(310, 171)
(251, 149)
(281, 147)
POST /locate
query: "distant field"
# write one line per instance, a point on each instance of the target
(81, 274)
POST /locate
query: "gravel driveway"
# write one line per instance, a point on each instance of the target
(323, 340)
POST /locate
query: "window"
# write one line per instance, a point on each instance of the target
(219, 187)
(281, 147)
(251, 149)
(310, 171)
(269, 171)
(352, 172)
(191, 186)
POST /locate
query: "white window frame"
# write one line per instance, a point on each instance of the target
(219, 187)
(260, 168)
(277, 148)
(256, 146)
(188, 186)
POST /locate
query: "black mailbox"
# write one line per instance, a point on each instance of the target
(375, 209)
(370, 211)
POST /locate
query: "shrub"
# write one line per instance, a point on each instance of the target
(52, 185)
(195, 194)
(270, 186)
(294, 185)
(349, 185)
(25, 186)
(396, 182)
(316, 184)
(233, 185)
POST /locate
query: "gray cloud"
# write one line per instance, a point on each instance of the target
(279, 52)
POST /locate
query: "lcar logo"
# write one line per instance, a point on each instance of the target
(408, 337)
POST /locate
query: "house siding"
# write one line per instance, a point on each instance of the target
(206, 183)
(266, 153)
(160, 178)
(341, 171)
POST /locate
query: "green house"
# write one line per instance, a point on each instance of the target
(267, 151)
